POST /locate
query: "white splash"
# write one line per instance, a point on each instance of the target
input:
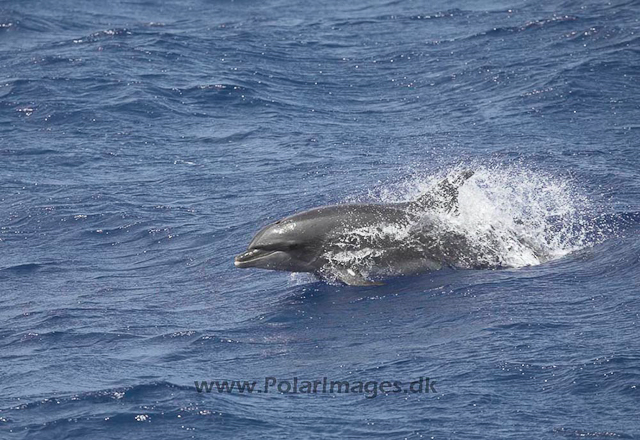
(524, 217)
(507, 216)
(301, 278)
(362, 247)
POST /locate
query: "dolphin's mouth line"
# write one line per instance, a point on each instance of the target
(252, 255)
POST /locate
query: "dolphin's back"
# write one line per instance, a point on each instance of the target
(353, 215)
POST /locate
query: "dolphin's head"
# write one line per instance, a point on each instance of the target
(287, 245)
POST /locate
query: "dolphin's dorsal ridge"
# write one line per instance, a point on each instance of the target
(443, 196)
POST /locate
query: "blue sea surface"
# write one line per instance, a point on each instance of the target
(143, 143)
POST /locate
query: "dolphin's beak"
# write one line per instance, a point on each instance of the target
(250, 257)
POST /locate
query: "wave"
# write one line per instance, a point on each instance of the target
(115, 408)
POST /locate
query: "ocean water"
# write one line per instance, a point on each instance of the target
(143, 144)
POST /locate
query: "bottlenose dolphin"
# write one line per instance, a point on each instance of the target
(353, 243)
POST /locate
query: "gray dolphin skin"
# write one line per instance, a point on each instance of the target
(317, 240)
